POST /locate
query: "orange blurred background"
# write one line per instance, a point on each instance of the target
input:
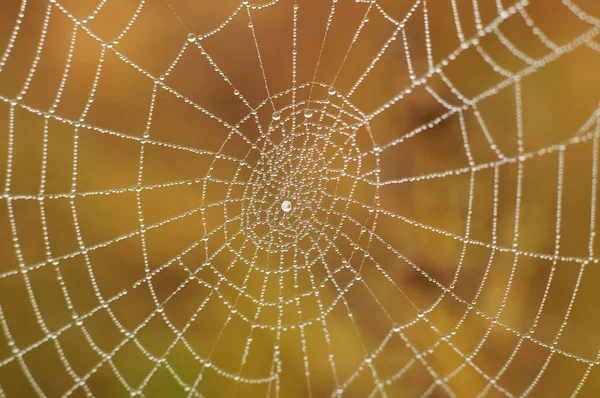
(476, 282)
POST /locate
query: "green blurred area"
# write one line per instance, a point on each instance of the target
(510, 277)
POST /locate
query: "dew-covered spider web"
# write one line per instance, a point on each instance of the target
(299, 198)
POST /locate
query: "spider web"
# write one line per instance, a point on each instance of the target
(346, 198)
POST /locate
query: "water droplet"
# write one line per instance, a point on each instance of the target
(308, 113)
(276, 115)
(331, 90)
(191, 37)
(286, 206)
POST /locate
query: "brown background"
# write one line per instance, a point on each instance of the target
(556, 101)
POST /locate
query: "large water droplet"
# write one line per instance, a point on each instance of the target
(191, 37)
(276, 115)
(331, 90)
(308, 113)
(286, 206)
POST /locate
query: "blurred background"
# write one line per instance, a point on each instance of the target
(432, 250)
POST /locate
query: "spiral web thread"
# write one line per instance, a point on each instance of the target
(306, 152)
